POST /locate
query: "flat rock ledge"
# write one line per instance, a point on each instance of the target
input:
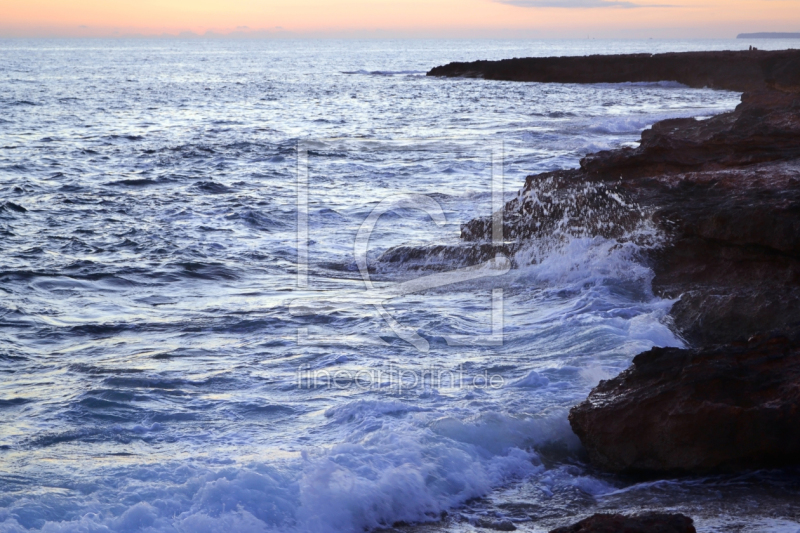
(643, 523)
(729, 70)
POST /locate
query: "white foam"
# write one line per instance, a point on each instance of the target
(666, 84)
(632, 124)
(754, 525)
(410, 470)
(579, 260)
(593, 373)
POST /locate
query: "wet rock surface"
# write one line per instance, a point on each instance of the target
(644, 523)
(730, 70)
(440, 257)
(697, 410)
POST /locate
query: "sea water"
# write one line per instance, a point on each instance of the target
(189, 342)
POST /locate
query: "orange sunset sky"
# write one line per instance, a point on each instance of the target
(400, 18)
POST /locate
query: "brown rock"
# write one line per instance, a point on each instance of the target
(643, 523)
(764, 127)
(725, 192)
(676, 410)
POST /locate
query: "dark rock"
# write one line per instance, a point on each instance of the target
(558, 204)
(440, 257)
(725, 192)
(764, 127)
(11, 206)
(733, 221)
(726, 292)
(643, 523)
(729, 70)
(697, 410)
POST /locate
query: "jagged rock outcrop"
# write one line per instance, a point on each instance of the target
(697, 410)
(643, 523)
(726, 193)
(729, 70)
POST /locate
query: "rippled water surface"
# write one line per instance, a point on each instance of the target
(163, 366)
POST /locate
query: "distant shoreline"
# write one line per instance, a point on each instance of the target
(769, 35)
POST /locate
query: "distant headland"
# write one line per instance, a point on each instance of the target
(746, 70)
(768, 35)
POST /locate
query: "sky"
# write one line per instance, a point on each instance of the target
(398, 18)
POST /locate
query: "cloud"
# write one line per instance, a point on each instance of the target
(577, 4)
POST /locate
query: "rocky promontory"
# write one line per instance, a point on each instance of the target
(729, 70)
(723, 194)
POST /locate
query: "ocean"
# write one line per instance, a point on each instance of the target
(198, 331)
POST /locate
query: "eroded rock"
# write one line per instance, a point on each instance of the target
(697, 410)
(723, 192)
(723, 195)
(643, 523)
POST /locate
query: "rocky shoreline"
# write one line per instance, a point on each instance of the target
(732, 71)
(726, 194)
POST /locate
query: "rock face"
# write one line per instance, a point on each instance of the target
(733, 71)
(643, 523)
(726, 193)
(764, 127)
(697, 410)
